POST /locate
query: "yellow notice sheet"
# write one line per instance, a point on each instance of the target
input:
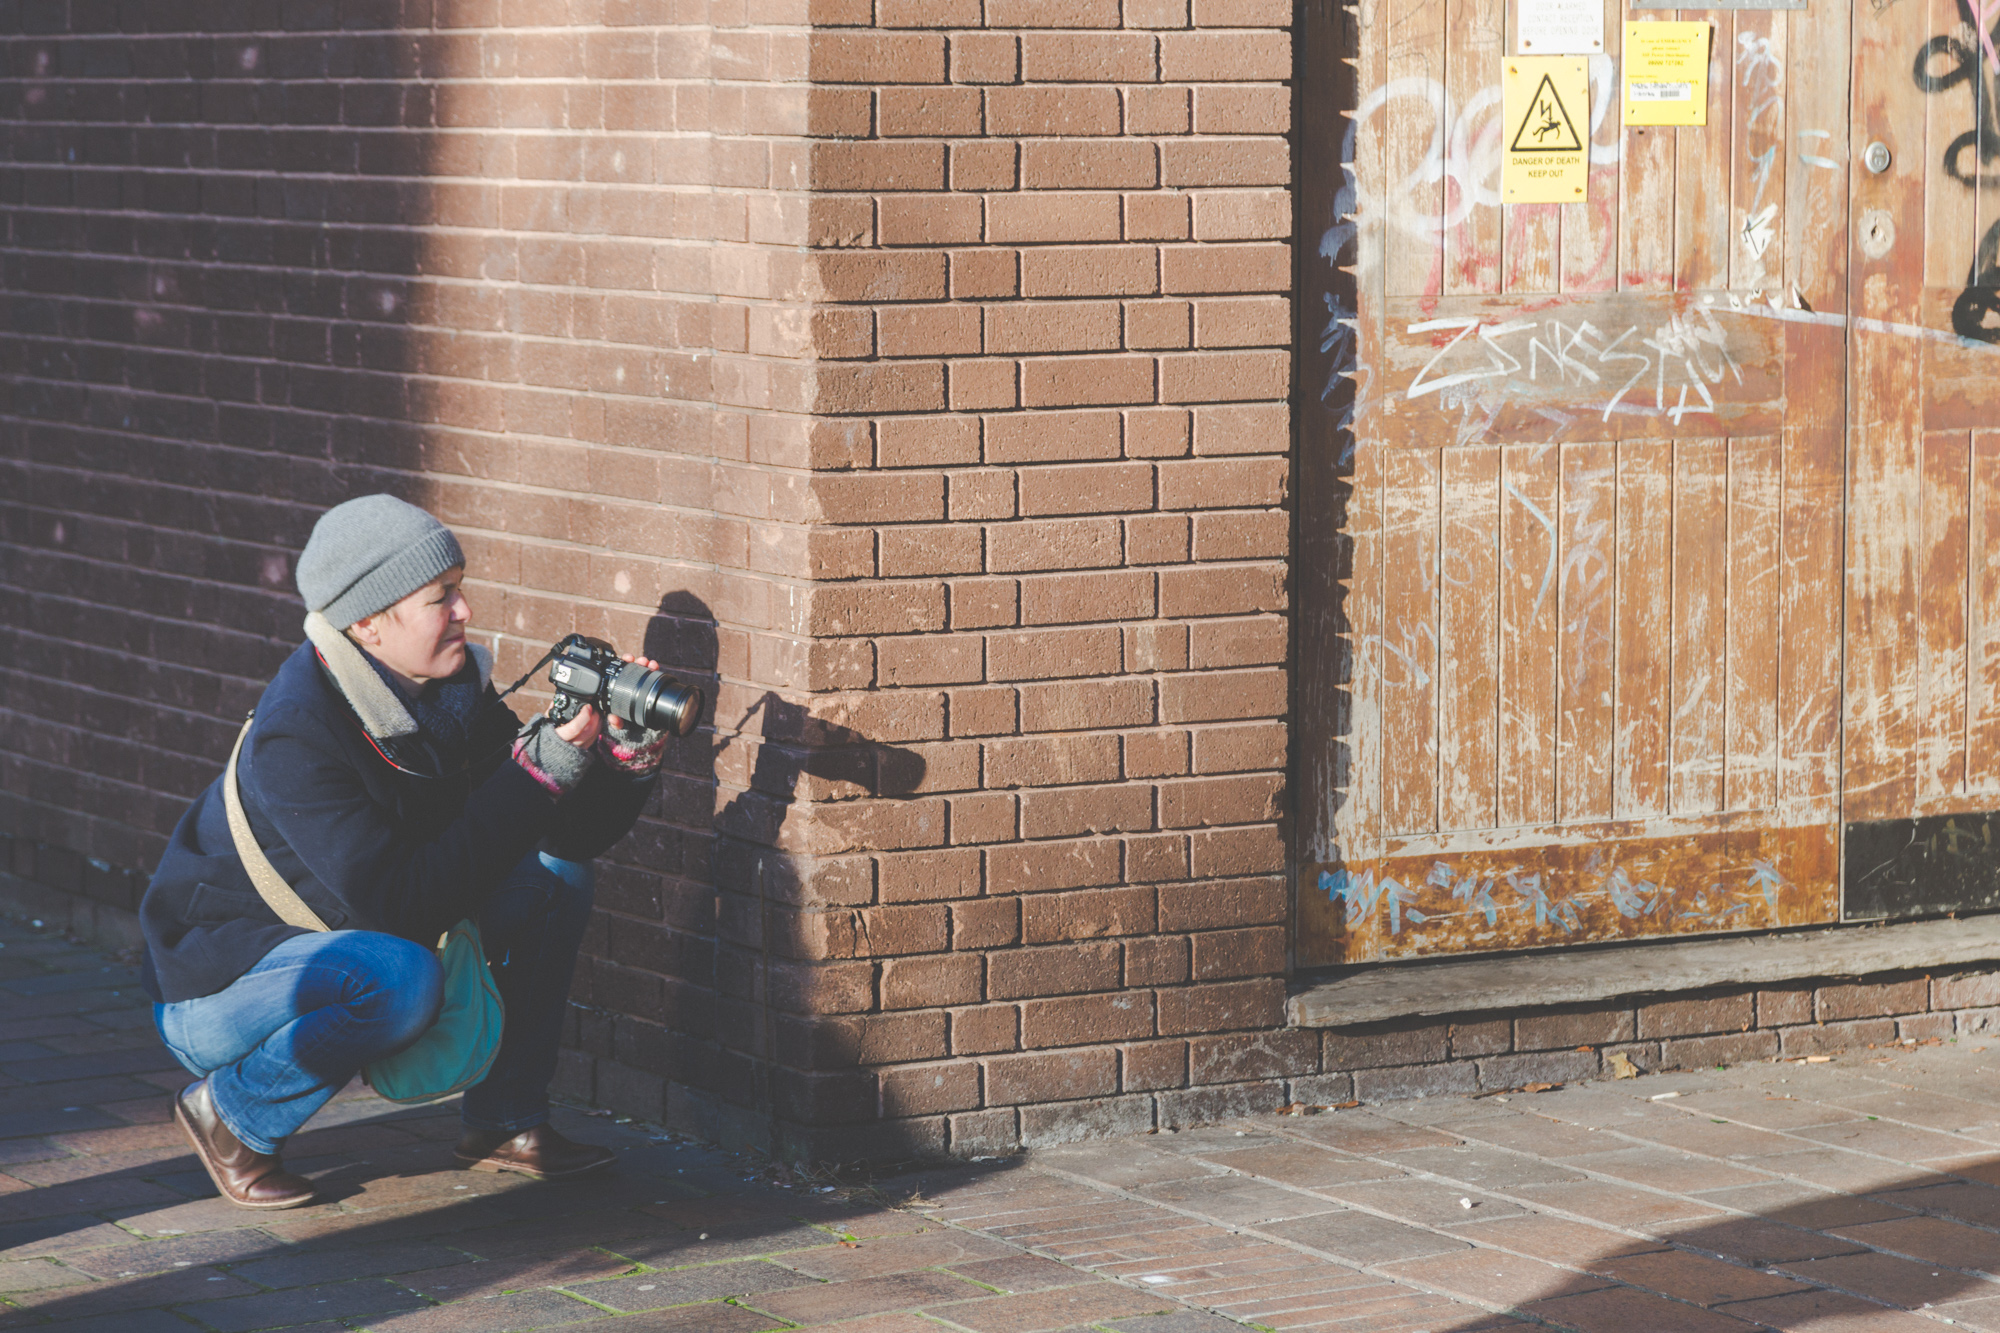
(1545, 143)
(1666, 73)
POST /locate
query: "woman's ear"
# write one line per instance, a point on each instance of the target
(367, 630)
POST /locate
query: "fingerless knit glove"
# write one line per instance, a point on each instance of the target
(549, 759)
(635, 753)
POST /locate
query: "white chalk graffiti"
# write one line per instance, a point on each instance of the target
(1682, 357)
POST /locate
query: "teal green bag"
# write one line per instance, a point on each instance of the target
(456, 1050)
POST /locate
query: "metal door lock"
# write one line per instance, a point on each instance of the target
(1876, 158)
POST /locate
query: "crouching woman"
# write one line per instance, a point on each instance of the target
(392, 789)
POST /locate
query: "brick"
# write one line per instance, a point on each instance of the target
(1345, 1050)
(1046, 216)
(928, 330)
(1041, 654)
(1063, 164)
(1067, 599)
(1870, 1001)
(1781, 1008)
(985, 1029)
(1488, 1038)
(1087, 914)
(1552, 1031)
(1501, 1072)
(988, 817)
(1054, 544)
(929, 1089)
(1164, 325)
(929, 219)
(984, 165)
(994, 1133)
(1063, 969)
(1225, 57)
(1222, 483)
(1086, 489)
(984, 274)
(1237, 749)
(912, 552)
(1069, 326)
(984, 57)
(1052, 14)
(1684, 1018)
(1242, 536)
(987, 924)
(1154, 858)
(1157, 110)
(1221, 696)
(1096, 270)
(980, 493)
(1048, 437)
(1034, 867)
(981, 711)
(1835, 1038)
(1241, 1057)
(1968, 990)
(1121, 57)
(1238, 851)
(1733, 1048)
(876, 57)
(1222, 954)
(1230, 1101)
(983, 603)
(1051, 1077)
(1092, 1118)
(1157, 432)
(1044, 109)
(924, 983)
(977, 386)
(1214, 376)
(1077, 704)
(1087, 1020)
(1156, 647)
(906, 877)
(1159, 960)
(1222, 1007)
(1401, 1084)
(1051, 761)
(1154, 754)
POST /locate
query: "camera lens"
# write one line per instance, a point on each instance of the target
(654, 700)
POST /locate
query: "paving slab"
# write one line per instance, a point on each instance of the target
(1841, 1196)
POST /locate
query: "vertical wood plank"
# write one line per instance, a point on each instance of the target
(1468, 667)
(1588, 633)
(1531, 234)
(1750, 776)
(1759, 161)
(1590, 229)
(1416, 133)
(1701, 537)
(1814, 274)
(1529, 603)
(1983, 634)
(1646, 209)
(1951, 208)
(1645, 627)
(1941, 613)
(1475, 43)
(1881, 664)
(1702, 211)
(1409, 657)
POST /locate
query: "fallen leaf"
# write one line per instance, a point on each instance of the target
(1621, 1065)
(1818, 1059)
(1541, 1087)
(1343, 1106)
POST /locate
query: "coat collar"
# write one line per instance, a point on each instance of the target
(382, 714)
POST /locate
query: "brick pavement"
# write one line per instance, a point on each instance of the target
(1861, 1193)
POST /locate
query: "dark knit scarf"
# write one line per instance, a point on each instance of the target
(443, 709)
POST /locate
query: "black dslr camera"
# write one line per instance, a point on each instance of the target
(588, 671)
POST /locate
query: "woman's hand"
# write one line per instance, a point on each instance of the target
(582, 730)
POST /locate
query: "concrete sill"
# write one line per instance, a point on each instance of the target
(1534, 981)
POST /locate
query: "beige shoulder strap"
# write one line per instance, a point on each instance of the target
(271, 886)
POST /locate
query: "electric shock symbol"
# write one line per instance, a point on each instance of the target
(1547, 127)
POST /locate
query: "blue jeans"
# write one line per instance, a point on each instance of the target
(281, 1039)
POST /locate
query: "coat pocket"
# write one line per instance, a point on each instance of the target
(210, 903)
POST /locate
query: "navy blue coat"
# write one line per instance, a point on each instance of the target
(369, 847)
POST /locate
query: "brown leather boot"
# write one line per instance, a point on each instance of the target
(540, 1152)
(243, 1176)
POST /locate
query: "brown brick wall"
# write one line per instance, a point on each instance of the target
(918, 374)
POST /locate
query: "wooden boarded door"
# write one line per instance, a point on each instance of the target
(1571, 560)
(1922, 708)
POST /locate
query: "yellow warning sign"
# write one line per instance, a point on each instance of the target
(1666, 73)
(1545, 102)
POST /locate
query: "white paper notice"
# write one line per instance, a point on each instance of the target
(1561, 27)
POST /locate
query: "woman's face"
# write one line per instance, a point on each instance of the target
(422, 637)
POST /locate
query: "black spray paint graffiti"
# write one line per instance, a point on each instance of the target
(1944, 62)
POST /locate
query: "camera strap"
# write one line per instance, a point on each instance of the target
(279, 896)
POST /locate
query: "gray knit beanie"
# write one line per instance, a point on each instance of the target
(370, 553)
